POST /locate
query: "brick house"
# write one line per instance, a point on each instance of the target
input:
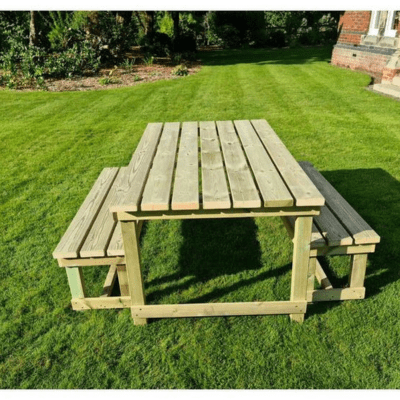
(370, 41)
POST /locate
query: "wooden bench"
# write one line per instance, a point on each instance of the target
(94, 238)
(338, 230)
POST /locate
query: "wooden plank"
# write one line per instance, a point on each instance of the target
(210, 214)
(336, 294)
(133, 267)
(299, 184)
(93, 303)
(90, 262)
(156, 194)
(131, 187)
(100, 234)
(123, 280)
(312, 264)
(76, 282)
(116, 246)
(219, 309)
(317, 239)
(110, 281)
(358, 269)
(301, 256)
(332, 230)
(273, 190)
(352, 221)
(186, 186)
(321, 276)
(215, 188)
(75, 235)
(243, 189)
(341, 250)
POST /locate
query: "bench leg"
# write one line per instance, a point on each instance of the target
(312, 264)
(123, 280)
(301, 258)
(76, 282)
(133, 267)
(358, 267)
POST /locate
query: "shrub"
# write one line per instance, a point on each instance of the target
(180, 70)
(276, 38)
(159, 45)
(109, 81)
(229, 36)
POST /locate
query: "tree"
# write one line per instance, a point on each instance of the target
(33, 39)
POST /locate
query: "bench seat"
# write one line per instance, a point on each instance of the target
(338, 230)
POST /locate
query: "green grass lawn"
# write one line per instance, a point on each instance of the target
(54, 145)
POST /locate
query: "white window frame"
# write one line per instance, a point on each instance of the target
(372, 31)
(389, 23)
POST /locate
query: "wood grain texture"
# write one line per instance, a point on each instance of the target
(299, 184)
(301, 256)
(99, 236)
(273, 190)
(336, 294)
(317, 239)
(72, 241)
(215, 189)
(218, 309)
(130, 189)
(362, 233)
(186, 186)
(156, 195)
(358, 269)
(243, 189)
(110, 281)
(116, 246)
(331, 228)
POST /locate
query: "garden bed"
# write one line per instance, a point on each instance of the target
(108, 78)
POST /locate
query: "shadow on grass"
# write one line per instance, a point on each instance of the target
(307, 55)
(214, 248)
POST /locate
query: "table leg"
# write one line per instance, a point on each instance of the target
(133, 267)
(301, 257)
(76, 282)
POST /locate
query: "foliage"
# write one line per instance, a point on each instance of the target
(148, 59)
(109, 81)
(159, 44)
(128, 64)
(185, 43)
(166, 25)
(180, 70)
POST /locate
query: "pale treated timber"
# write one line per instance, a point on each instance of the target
(99, 236)
(215, 194)
(131, 188)
(273, 190)
(317, 240)
(210, 214)
(76, 282)
(116, 246)
(156, 194)
(343, 250)
(321, 276)
(90, 262)
(243, 189)
(123, 280)
(186, 186)
(301, 256)
(75, 235)
(312, 264)
(110, 281)
(219, 309)
(93, 303)
(352, 221)
(358, 269)
(332, 230)
(336, 294)
(133, 267)
(299, 184)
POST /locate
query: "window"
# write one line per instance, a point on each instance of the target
(392, 23)
(384, 23)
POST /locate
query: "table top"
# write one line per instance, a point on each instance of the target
(213, 165)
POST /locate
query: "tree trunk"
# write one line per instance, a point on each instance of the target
(33, 39)
(175, 18)
(150, 24)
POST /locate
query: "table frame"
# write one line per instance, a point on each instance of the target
(303, 267)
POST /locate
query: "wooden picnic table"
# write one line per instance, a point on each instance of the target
(245, 171)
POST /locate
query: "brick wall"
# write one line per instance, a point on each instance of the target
(360, 59)
(352, 25)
